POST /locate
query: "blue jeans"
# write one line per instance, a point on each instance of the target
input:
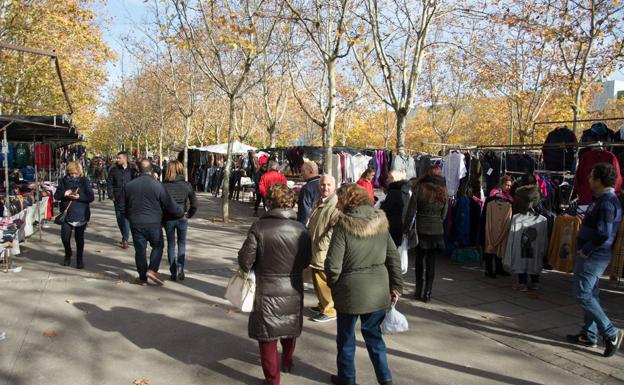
(123, 224)
(179, 227)
(587, 273)
(142, 235)
(371, 331)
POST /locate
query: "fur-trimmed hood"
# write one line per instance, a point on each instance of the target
(364, 222)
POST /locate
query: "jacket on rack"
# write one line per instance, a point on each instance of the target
(497, 214)
(600, 226)
(183, 194)
(562, 247)
(588, 160)
(556, 159)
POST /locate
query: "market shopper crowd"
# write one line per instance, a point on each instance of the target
(348, 248)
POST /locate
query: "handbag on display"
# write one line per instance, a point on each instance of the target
(241, 290)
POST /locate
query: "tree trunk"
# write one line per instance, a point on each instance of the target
(228, 164)
(576, 109)
(272, 136)
(187, 130)
(331, 119)
(400, 127)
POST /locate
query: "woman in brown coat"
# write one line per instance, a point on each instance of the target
(277, 249)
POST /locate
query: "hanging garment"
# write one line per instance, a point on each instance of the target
(588, 160)
(599, 132)
(379, 166)
(359, 164)
(559, 159)
(336, 170)
(21, 156)
(492, 167)
(401, 163)
(616, 267)
(461, 233)
(497, 223)
(527, 244)
(453, 169)
(43, 156)
(9, 155)
(562, 248)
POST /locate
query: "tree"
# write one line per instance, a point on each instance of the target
(322, 25)
(29, 85)
(590, 38)
(226, 40)
(397, 38)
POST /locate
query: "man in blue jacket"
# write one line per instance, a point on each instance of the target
(144, 201)
(595, 240)
(310, 192)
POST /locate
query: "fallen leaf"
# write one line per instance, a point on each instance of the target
(120, 282)
(50, 334)
(98, 251)
(70, 301)
(141, 381)
(486, 317)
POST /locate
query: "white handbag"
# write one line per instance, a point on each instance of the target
(241, 290)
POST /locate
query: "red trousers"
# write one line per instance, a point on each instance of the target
(270, 358)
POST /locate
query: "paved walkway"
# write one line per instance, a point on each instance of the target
(66, 326)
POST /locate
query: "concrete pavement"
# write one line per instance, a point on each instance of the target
(66, 326)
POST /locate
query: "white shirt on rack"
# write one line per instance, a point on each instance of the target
(453, 169)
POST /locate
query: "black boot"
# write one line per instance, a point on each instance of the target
(426, 297)
(79, 263)
(419, 286)
(67, 261)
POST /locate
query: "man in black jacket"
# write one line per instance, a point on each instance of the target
(145, 201)
(118, 177)
(310, 193)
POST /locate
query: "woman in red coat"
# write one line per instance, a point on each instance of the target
(366, 181)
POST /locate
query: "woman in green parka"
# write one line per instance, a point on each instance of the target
(363, 271)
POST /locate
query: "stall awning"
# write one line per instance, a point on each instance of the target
(50, 129)
(237, 148)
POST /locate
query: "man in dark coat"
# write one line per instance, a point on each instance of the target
(118, 177)
(145, 201)
(310, 193)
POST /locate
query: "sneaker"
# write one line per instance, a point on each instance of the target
(174, 277)
(124, 245)
(323, 318)
(315, 309)
(581, 339)
(612, 344)
(140, 282)
(154, 276)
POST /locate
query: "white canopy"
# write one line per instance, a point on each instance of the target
(237, 148)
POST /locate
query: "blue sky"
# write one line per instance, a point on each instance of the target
(121, 15)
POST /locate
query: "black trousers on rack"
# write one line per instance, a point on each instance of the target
(493, 265)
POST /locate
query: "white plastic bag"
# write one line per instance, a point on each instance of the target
(404, 256)
(394, 322)
(241, 291)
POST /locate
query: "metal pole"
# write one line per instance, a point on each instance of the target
(37, 200)
(5, 151)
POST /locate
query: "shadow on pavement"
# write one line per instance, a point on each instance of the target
(194, 344)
